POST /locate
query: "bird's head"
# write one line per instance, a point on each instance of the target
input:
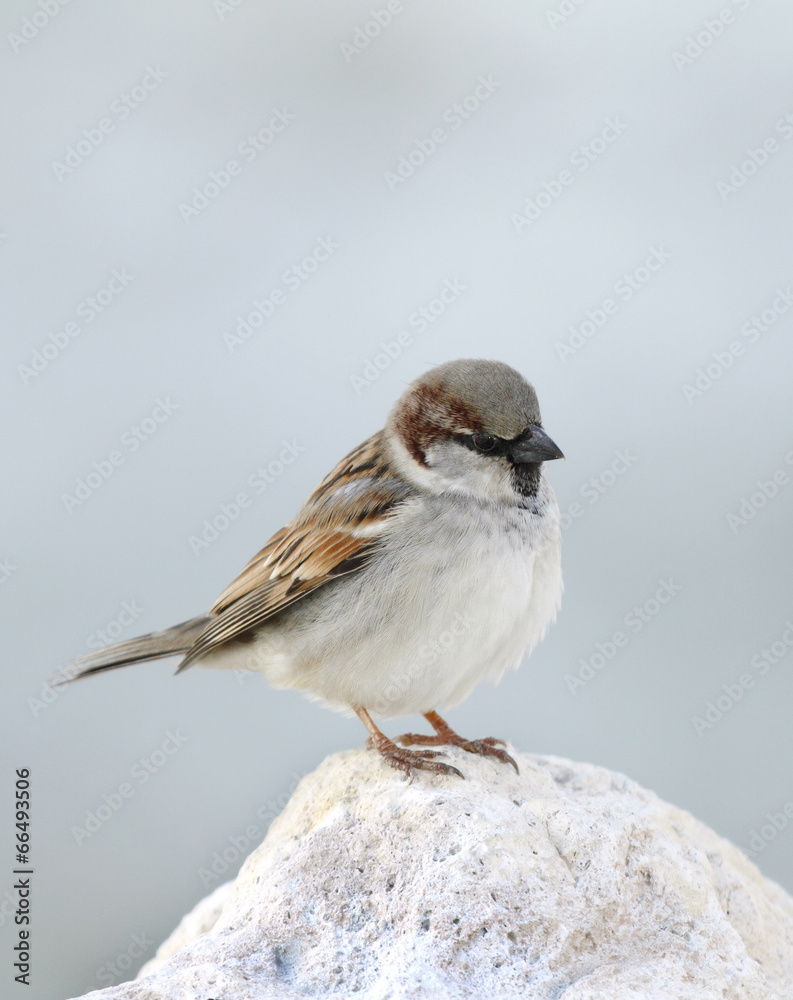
(472, 427)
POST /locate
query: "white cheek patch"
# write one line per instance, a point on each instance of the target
(451, 467)
(412, 471)
(465, 471)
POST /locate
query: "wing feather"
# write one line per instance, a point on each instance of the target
(335, 533)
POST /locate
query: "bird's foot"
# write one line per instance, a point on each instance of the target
(409, 760)
(406, 761)
(446, 736)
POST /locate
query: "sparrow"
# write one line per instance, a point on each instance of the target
(428, 560)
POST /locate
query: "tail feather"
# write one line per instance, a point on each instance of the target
(169, 642)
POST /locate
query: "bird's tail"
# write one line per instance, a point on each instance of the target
(169, 642)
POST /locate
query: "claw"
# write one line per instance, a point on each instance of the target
(406, 761)
(446, 736)
(419, 760)
(487, 748)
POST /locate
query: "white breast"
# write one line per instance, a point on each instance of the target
(461, 590)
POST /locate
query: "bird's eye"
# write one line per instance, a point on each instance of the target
(484, 442)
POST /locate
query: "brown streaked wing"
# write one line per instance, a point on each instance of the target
(333, 534)
(251, 576)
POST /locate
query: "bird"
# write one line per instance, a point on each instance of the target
(428, 560)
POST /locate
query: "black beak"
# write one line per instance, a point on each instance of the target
(534, 446)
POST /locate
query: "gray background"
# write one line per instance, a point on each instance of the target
(684, 127)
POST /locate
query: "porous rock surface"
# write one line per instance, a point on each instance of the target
(566, 881)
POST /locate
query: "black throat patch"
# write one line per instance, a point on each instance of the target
(526, 479)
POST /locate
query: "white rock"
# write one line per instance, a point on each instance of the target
(565, 881)
(200, 919)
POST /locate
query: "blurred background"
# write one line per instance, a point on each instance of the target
(224, 231)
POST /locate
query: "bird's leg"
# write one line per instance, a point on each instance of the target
(446, 736)
(403, 760)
